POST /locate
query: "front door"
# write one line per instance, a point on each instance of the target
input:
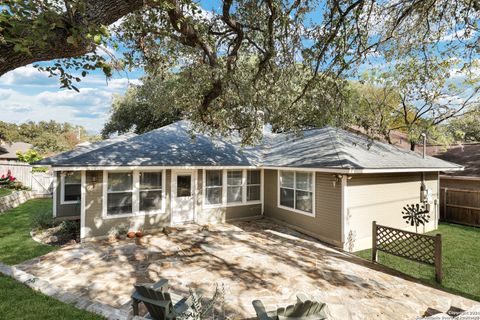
(183, 196)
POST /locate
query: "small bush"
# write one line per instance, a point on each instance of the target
(39, 169)
(42, 220)
(70, 227)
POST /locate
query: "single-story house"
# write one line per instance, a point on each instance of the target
(327, 183)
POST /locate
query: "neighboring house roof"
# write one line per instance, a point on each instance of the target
(328, 148)
(9, 150)
(467, 155)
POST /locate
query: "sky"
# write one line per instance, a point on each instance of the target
(27, 94)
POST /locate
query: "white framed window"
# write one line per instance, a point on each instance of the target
(235, 186)
(151, 191)
(296, 191)
(254, 184)
(131, 193)
(71, 186)
(119, 193)
(231, 187)
(213, 182)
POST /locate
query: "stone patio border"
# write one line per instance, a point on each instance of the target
(50, 290)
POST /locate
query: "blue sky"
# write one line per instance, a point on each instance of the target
(27, 94)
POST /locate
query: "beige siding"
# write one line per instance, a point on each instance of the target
(97, 226)
(222, 214)
(327, 223)
(64, 210)
(381, 198)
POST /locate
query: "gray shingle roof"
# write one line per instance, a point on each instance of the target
(9, 150)
(173, 145)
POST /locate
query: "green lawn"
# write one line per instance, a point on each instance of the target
(460, 259)
(15, 225)
(18, 301)
(5, 192)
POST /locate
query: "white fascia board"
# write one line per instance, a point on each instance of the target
(327, 170)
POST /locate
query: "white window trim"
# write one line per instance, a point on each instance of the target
(62, 190)
(310, 214)
(135, 195)
(204, 188)
(224, 202)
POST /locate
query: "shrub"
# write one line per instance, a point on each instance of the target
(10, 182)
(39, 169)
(42, 219)
(70, 227)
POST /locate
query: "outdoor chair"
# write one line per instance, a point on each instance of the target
(304, 309)
(161, 304)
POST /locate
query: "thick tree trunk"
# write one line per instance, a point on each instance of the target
(412, 145)
(98, 13)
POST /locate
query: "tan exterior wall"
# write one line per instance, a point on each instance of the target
(327, 223)
(381, 198)
(64, 210)
(222, 214)
(97, 226)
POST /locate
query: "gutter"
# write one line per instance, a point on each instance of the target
(327, 170)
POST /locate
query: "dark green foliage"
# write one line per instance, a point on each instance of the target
(42, 219)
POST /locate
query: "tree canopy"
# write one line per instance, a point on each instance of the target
(243, 55)
(47, 137)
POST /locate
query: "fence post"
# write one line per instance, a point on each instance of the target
(438, 258)
(374, 241)
(445, 205)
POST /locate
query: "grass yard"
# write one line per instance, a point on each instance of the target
(15, 225)
(5, 192)
(460, 261)
(18, 301)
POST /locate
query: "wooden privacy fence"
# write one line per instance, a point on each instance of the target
(40, 183)
(460, 206)
(21, 171)
(409, 245)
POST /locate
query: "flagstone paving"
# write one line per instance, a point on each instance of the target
(252, 260)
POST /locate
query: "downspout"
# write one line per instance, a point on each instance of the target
(423, 186)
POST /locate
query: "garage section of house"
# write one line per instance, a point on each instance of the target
(328, 183)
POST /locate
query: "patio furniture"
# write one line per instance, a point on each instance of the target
(160, 303)
(304, 309)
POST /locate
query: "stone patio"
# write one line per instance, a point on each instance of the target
(253, 260)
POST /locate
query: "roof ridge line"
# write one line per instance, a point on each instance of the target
(329, 129)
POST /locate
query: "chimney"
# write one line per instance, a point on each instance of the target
(424, 136)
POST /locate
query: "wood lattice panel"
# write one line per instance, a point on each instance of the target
(410, 245)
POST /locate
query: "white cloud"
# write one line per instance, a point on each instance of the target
(28, 95)
(27, 76)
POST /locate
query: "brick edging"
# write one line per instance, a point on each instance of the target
(50, 290)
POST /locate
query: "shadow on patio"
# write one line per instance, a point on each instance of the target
(253, 260)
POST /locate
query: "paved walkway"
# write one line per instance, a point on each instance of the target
(253, 260)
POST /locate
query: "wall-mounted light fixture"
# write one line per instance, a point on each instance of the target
(94, 180)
